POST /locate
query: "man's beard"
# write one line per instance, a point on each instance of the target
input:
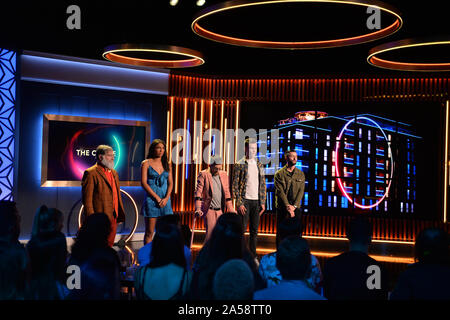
(107, 164)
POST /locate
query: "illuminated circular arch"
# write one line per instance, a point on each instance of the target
(407, 66)
(116, 163)
(135, 210)
(193, 58)
(235, 4)
(338, 178)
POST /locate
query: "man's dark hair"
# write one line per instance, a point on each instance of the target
(432, 246)
(9, 220)
(167, 246)
(294, 258)
(291, 226)
(170, 218)
(92, 235)
(359, 230)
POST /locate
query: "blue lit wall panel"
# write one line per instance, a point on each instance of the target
(7, 122)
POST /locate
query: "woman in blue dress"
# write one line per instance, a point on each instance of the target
(156, 179)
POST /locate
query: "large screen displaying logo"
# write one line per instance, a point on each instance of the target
(69, 145)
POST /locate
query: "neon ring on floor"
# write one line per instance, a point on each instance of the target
(230, 5)
(80, 213)
(113, 53)
(407, 66)
(338, 176)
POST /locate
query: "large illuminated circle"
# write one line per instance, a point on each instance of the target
(407, 66)
(338, 178)
(191, 57)
(236, 4)
(135, 211)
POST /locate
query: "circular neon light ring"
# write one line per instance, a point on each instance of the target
(113, 53)
(229, 5)
(135, 210)
(341, 187)
(406, 66)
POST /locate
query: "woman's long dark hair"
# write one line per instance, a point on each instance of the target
(151, 153)
(167, 246)
(92, 235)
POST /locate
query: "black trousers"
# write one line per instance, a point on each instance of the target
(252, 215)
(282, 214)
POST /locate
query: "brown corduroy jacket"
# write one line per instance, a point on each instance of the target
(97, 193)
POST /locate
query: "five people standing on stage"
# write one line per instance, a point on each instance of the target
(101, 192)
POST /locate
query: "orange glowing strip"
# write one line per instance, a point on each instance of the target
(195, 146)
(202, 104)
(184, 154)
(332, 254)
(176, 167)
(229, 5)
(221, 126)
(406, 66)
(446, 161)
(167, 130)
(114, 53)
(169, 146)
(236, 132)
(210, 131)
(225, 156)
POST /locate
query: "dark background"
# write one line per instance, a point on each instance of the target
(41, 26)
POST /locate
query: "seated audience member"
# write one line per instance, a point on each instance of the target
(187, 233)
(267, 266)
(429, 277)
(294, 263)
(144, 254)
(14, 265)
(99, 263)
(166, 276)
(226, 243)
(346, 275)
(47, 250)
(233, 281)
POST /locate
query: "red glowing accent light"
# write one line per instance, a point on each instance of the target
(339, 181)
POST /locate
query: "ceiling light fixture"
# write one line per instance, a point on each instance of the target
(189, 57)
(407, 66)
(236, 4)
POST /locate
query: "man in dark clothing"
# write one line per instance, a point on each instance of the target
(289, 190)
(354, 275)
(429, 278)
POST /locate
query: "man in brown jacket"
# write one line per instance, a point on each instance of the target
(101, 191)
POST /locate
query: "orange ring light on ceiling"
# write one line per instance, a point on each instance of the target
(236, 4)
(113, 53)
(407, 66)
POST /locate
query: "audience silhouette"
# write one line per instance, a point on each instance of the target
(47, 249)
(165, 277)
(346, 275)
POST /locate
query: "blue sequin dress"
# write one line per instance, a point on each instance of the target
(158, 183)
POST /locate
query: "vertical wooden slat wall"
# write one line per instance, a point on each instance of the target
(188, 91)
